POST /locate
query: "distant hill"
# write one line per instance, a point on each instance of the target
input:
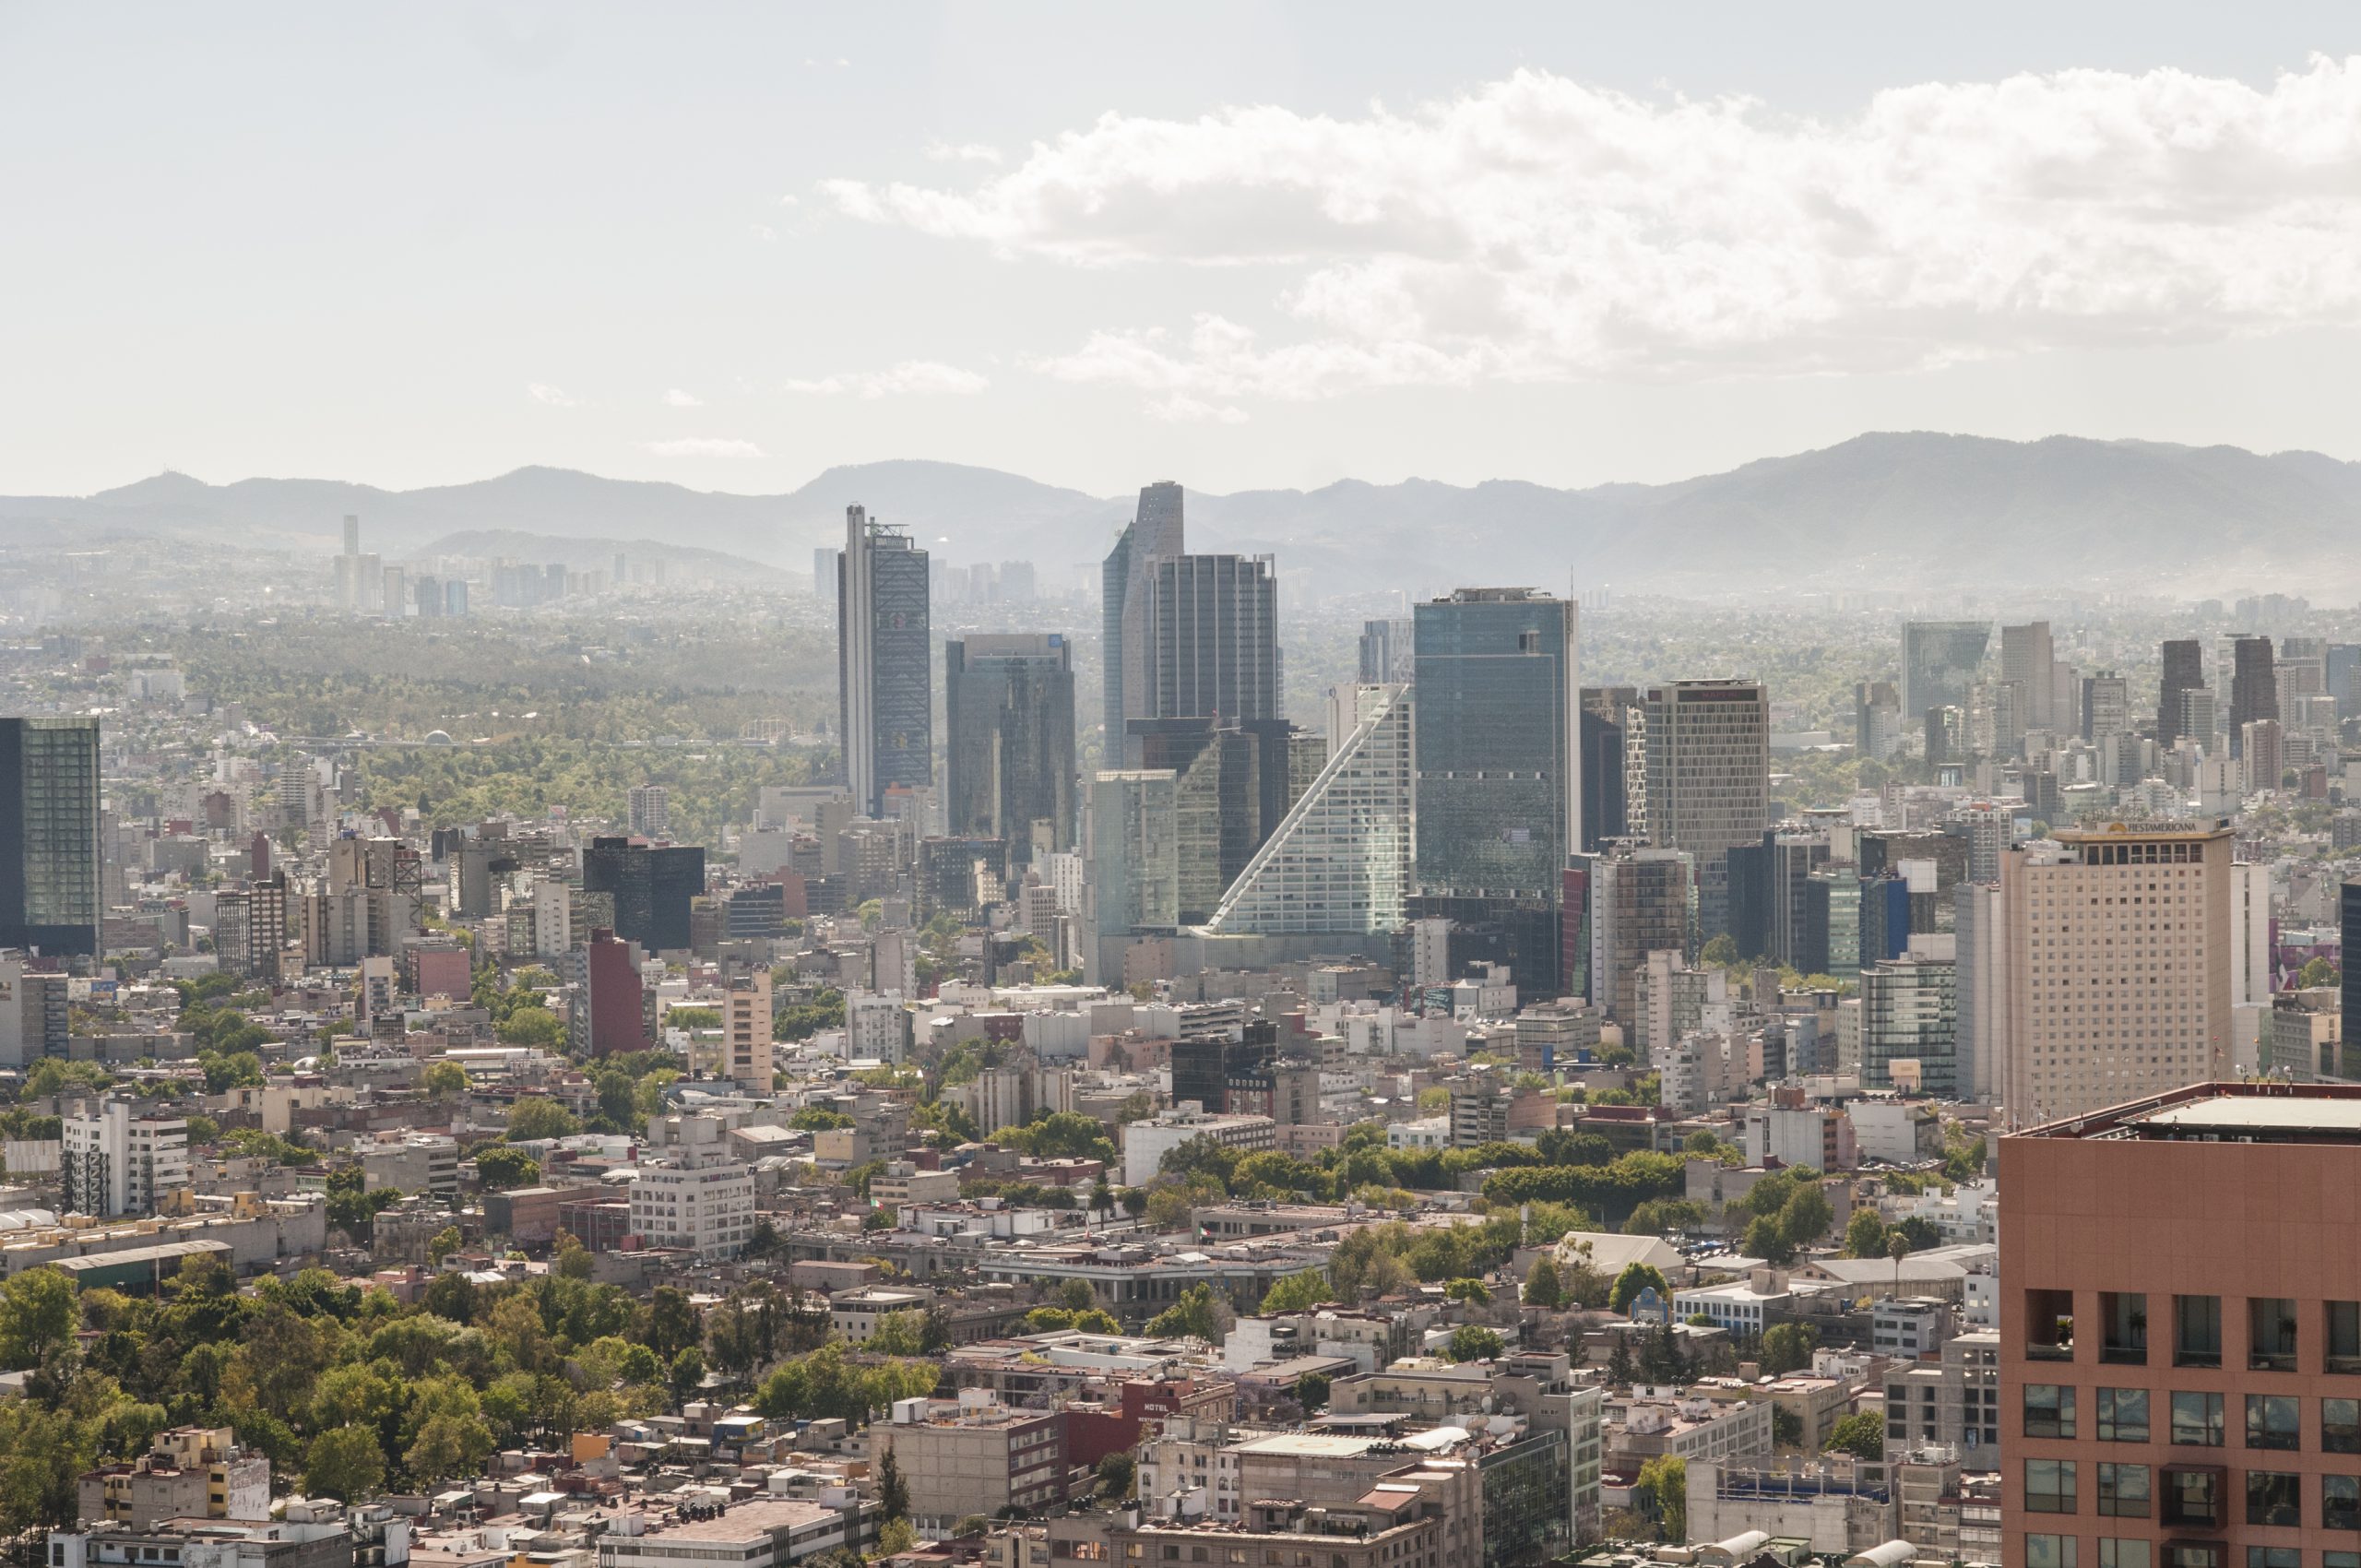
(1914, 510)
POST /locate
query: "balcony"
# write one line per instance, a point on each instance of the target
(2050, 1325)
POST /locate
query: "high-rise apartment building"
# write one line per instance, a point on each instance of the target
(1877, 719)
(121, 1158)
(2180, 1332)
(1008, 718)
(2107, 706)
(1135, 865)
(2184, 671)
(1940, 662)
(609, 1013)
(1626, 902)
(2117, 954)
(885, 694)
(1341, 859)
(1388, 653)
(2028, 657)
(1909, 1014)
(2254, 688)
(1499, 748)
(1709, 779)
(746, 1031)
(49, 835)
(1127, 592)
(651, 812)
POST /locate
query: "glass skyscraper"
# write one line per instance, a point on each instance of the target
(49, 835)
(884, 652)
(1008, 712)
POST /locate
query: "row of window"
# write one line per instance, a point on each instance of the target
(2059, 1551)
(2188, 1495)
(2271, 1340)
(2195, 1419)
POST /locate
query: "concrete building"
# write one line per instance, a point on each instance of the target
(762, 1532)
(1146, 1142)
(746, 1032)
(120, 1159)
(2180, 1344)
(187, 1473)
(2116, 967)
(1830, 1506)
(884, 662)
(420, 1162)
(1909, 1018)
(221, 1543)
(1008, 717)
(1708, 753)
(649, 812)
(1952, 1402)
(974, 1455)
(701, 1200)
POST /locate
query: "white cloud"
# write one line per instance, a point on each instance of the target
(916, 377)
(703, 446)
(680, 400)
(541, 392)
(1539, 230)
(964, 152)
(1180, 409)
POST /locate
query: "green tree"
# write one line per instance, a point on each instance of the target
(1767, 1238)
(895, 1537)
(1861, 1435)
(1865, 1235)
(444, 1243)
(1117, 1472)
(892, 1492)
(502, 1167)
(1787, 1347)
(345, 1463)
(1721, 952)
(2318, 972)
(898, 1334)
(1664, 1481)
(1311, 1391)
(1542, 1286)
(1807, 1216)
(38, 1317)
(536, 1117)
(1474, 1342)
(531, 1026)
(1636, 1278)
(1472, 1292)
(444, 1078)
(1198, 1312)
(1786, 1427)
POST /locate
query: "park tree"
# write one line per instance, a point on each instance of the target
(1636, 1278)
(1862, 1435)
(1542, 1286)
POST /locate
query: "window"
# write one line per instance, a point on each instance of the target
(2340, 1560)
(2197, 1420)
(2273, 1498)
(2123, 1490)
(2126, 1554)
(2049, 1552)
(2271, 1334)
(2272, 1422)
(2193, 1496)
(2192, 1554)
(2273, 1557)
(2050, 1325)
(2197, 1331)
(2049, 1486)
(2050, 1410)
(2340, 1426)
(2341, 1503)
(2123, 1317)
(2123, 1415)
(2345, 1336)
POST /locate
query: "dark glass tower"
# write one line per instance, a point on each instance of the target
(2184, 671)
(2254, 688)
(1498, 767)
(1605, 725)
(885, 692)
(1125, 591)
(1008, 711)
(652, 888)
(49, 835)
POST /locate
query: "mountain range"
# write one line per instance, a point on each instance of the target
(1918, 511)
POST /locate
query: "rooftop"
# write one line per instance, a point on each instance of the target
(743, 1520)
(2243, 1113)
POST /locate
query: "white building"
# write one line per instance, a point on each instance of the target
(1147, 1142)
(877, 1026)
(1736, 1308)
(701, 1200)
(1427, 1132)
(122, 1159)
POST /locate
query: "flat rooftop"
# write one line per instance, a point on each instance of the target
(2247, 1113)
(738, 1522)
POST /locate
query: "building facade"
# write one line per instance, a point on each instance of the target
(883, 657)
(1709, 779)
(1008, 717)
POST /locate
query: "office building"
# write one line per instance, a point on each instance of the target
(1498, 747)
(1133, 885)
(651, 884)
(1909, 1015)
(1127, 593)
(884, 652)
(1146, 1142)
(1940, 663)
(2184, 671)
(1627, 902)
(2107, 706)
(1213, 645)
(1709, 779)
(1233, 785)
(2254, 688)
(2117, 976)
(1388, 653)
(1877, 719)
(2029, 660)
(1008, 717)
(121, 1158)
(1341, 859)
(608, 1010)
(49, 835)
(2180, 1341)
(1610, 727)
(2261, 751)
(650, 814)
(759, 1532)
(698, 1200)
(746, 1031)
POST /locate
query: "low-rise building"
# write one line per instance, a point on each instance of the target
(971, 1456)
(1146, 1142)
(187, 1473)
(764, 1532)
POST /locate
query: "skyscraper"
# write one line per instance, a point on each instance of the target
(1606, 744)
(2114, 960)
(1940, 661)
(1134, 864)
(1213, 645)
(1234, 784)
(651, 815)
(1340, 860)
(652, 887)
(1877, 719)
(2027, 656)
(1709, 779)
(1388, 653)
(49, 835)
(1641, 901)
(2107, 706)
(1909, 1012)
(1126, 590)
(2254, 687)
(1500, 764)
(2184, 671)
(882, 655)
(1008, 717)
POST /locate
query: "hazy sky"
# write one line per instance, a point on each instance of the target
(1240, 246)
